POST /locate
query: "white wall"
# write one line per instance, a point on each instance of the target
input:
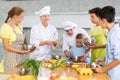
(82, 19)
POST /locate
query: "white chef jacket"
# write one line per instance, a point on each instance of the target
(40, 33)
(69, 41)
(113, 51)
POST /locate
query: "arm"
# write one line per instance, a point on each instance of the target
(7, 47)
(66, 47)
(87, 52)
(108, 67)
(96, 46)
(114, 42)
(85, 55)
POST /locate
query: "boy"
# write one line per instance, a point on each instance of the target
(98, 49)
(80, 49)
(107, 15)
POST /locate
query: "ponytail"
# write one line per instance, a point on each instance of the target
(14, 11)
(6, 19)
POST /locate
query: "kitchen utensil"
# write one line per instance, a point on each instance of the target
(69, 63)
(28, 47)
(76, 58)
(56, 57)
(21, 71)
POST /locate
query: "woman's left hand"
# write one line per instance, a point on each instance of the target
(25, 52)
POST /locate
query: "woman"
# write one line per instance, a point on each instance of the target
(43, 36)
(12, 38)
(97, 32)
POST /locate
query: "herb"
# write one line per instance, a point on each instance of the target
(58, 63)
(33, 64)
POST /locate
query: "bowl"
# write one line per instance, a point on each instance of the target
(28, 47)
(93, 65)
(56, 57)
(76, 58)
(21, 71)
(69, 63)
(86, 41)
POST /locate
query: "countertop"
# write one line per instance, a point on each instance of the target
(94, 76)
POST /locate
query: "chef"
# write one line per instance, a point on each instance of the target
(43, 35)
(71, 30)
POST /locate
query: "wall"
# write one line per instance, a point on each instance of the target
(57, 19)
(31, 6)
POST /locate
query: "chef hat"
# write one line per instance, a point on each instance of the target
(43, 11)
(69, 25)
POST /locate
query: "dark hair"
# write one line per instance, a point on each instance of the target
(95, 11)
(108, 12)
(79, 36)
(14, 11)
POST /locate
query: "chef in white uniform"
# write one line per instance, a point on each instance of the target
(43, 36)
(71, 30)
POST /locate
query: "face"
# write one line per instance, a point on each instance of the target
(19, 18)
(69, 32)
(44, 18)
(79, 42)
(94, 18)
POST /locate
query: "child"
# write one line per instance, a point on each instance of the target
(80, 49)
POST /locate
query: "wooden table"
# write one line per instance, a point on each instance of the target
(95, 76)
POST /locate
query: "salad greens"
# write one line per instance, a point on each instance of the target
(58, 63)
(33, 64)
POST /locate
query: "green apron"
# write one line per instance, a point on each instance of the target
(100, 35)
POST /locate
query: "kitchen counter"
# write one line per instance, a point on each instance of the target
(94, 76)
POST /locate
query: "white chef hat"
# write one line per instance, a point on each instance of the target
(43, 11)
(69, 25)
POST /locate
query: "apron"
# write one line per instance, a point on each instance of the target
(99, 34)
(14, 59)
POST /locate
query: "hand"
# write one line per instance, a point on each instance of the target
(98, 70)
(55, 42)
(43, 43)
(67, 53)
(83, 58)
(92, 46)
(99, 60)
(25, 52)
(49, 42)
